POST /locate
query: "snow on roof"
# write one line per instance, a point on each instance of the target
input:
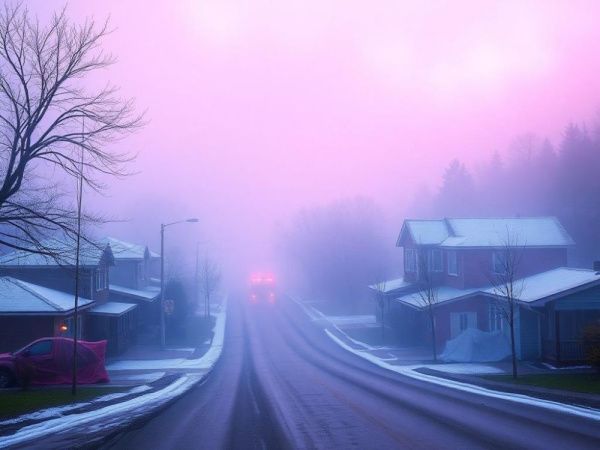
(443, 294)
(519, 231)
(64, 253)
(147, 293)
(390, 285)
(112, 308)
(552, 283)
(427, 232)
(535, 288)
(18, 296)
(488, 232)
(128, 250)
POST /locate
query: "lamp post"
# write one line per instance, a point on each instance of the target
(163, 342)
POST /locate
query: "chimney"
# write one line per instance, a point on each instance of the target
(597, 266)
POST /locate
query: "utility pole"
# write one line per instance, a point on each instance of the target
(163, 342)
(197, 276)
(77, 249)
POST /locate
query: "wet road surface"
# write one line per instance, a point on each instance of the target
(282, 383)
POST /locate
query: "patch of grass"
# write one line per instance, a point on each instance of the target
(16, 402)
(577, 382)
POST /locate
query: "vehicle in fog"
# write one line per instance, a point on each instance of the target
(50, 361)
(262, 289)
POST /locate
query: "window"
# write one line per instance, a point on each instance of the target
(410, 260)
(460, 321)
(40, 348)
(496, 319)
(101, 279)
(499, 262)
(452, 263)
(435, 260)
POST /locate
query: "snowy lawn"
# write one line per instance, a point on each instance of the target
(578, 382)
(17, 402)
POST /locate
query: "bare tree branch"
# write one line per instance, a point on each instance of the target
(49, 120)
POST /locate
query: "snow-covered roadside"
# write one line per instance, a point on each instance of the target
(316, 315)
(58, 411)
(103, 419)
(409, 371)
(205, 362)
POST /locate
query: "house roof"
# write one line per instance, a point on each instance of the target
(424, 232)
(443, 294)
(486, 232)
(90, 255)
(552, 284)
(112, 308)
(127, 250)
(148, 293)
(388, 286)
(535, 289)
(20, 297)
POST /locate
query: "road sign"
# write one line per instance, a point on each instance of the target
(169, 307)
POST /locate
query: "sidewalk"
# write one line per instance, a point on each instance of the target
(459, 376)
(154, 383)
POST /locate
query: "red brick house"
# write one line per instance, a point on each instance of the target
(460, 257)
(104, 319)
(29, 312)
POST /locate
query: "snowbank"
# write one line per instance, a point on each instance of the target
(473, 345)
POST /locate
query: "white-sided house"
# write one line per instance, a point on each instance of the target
(29, 312)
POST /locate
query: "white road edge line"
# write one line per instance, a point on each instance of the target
(409, 371)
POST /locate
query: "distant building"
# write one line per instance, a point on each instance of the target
(461, 257)
(131, 282)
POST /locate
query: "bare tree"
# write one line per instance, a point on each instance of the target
(507, 286)
(43, 106)
(209, 281)
(428, 293)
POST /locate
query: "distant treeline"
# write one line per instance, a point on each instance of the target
(333, 252)
(532, 178)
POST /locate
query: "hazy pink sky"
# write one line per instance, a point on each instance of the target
(258, 108)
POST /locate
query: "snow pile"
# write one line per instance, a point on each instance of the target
(473, 345)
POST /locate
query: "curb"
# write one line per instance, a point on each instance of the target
(409, 371)
(116, 416)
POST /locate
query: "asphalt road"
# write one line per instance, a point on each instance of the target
(282, 383)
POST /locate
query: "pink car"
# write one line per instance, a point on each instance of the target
(50, 361)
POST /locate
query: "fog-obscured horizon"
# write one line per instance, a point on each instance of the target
(301, 134)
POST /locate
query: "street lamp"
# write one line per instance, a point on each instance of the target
(163, 342)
